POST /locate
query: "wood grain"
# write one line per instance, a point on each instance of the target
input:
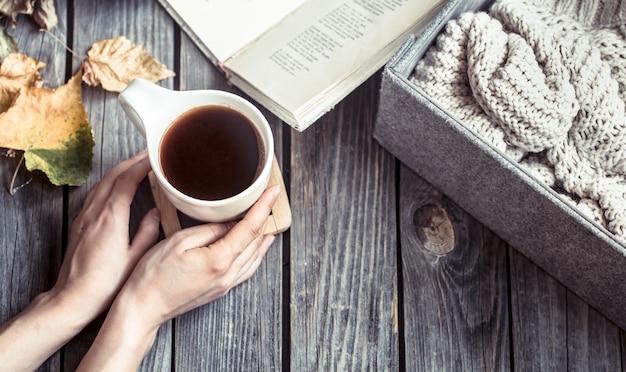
(549, 321)
(343, 256)
(539, 317)
(594, 338)
(456, 314)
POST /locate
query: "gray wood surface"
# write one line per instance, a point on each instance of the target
(545, 311)
(343, 244)
(455, 304)
(379, 270)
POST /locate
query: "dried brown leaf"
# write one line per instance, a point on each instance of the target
(17, 71)
(44, 14)
(42, 11)
(114, 63)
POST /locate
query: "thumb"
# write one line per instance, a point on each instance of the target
(148, 232)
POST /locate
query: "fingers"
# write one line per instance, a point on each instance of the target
(232, 239)
(200, 235)
(253, 262)
(253, 224)
(127, 182)
(116, 190)
(147, 233)
(248, 233)
(102, 189)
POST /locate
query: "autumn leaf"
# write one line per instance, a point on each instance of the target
(17, 71)
(51, 126)
(7, 44)
(42, 11)
(114, 63)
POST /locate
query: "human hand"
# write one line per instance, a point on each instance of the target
(99, 257)
(193, 267)
(97, 262)
(200, 264)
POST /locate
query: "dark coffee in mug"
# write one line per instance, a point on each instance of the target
(211, 153)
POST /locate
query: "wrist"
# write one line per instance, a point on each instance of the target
(123, 340)
(137, 326)
(42, 328)
(62, 314)
(82, 298)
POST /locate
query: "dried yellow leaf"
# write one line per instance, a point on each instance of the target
(17, 71)
(114, 63)
(52, 127)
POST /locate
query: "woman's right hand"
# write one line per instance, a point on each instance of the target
(195, 266)
(200, 264)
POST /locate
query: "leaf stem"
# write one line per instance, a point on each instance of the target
(12, 188)
(63, 43)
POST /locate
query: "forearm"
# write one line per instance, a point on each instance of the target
(32, 336)
(122, 342)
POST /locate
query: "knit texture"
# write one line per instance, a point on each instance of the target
(545, 83)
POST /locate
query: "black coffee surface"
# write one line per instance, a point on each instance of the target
(211, 153)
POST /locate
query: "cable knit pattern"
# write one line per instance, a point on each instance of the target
(544, 82)
(442, 74)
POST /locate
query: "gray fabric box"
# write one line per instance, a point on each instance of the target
(529, 215)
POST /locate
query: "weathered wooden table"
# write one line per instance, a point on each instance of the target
(353, 285)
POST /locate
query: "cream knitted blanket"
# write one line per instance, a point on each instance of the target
(544, 82)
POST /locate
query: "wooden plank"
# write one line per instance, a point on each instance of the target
(553, 328)
(539, 317)
(454, 283)
(592, 340)
(144, 23)
(623, 346)
(32, 220)
(242, 330)
(343, 243)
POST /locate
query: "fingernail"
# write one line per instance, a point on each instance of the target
(270, 239)
(276, 190)
(156, 214)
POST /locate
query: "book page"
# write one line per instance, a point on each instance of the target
(322, 43)
(225, 26)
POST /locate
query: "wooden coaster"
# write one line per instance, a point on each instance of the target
(279, 219)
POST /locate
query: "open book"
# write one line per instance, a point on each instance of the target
(299, 58)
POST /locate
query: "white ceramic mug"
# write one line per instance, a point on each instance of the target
(152, 109)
